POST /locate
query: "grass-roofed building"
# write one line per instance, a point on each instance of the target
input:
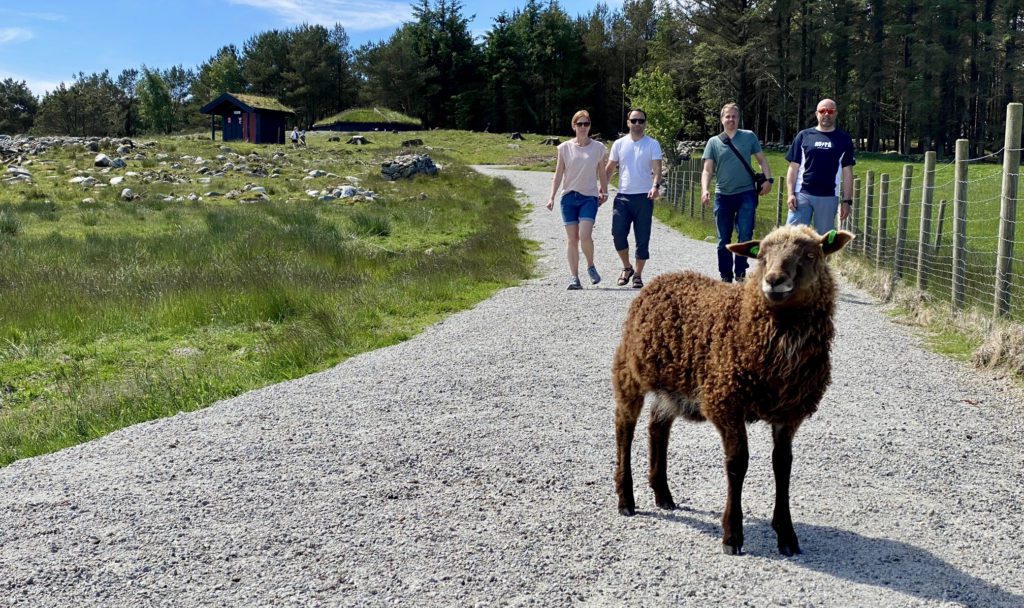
(368, 119)
(249, 118)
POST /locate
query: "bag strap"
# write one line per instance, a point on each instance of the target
(746, 164)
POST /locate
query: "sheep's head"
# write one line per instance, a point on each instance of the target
(792, 268)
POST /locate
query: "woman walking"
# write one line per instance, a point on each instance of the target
(579, 170)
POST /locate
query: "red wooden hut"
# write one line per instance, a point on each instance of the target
(249, 118)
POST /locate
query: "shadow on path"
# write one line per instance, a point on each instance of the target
(860, 559)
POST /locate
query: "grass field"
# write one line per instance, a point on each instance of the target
(114, 312)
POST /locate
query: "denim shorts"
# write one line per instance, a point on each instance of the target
(578, 207)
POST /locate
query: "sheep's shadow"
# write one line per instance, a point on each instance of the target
(860, 559)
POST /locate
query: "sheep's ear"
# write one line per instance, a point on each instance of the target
(834, 240)
(749, 249)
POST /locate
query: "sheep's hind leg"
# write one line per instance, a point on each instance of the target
(629, 401)
(782, 465)
(734, 440)
(662, 417)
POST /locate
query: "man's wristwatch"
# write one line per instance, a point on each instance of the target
(771, 180)
(848, 201)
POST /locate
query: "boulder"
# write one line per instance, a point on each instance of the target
(102, 160)
(127, 194)
(408, 165)
(358, 140)
(412, 142)
(118, 163)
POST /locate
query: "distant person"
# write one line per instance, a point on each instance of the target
(302, 137)
(638, 158)
(585, 188)
(295, 137)
(820, 168)
(735, 189)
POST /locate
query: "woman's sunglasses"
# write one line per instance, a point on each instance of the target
(583, 124)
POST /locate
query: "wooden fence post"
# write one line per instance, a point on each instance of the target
(869, 212)
(938, 226)
(900, 259)
(927, 192)
(883, 218)
(779, 202)
(1008, 208)
(960, 224)
(851, 221)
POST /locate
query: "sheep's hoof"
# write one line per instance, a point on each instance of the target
(732, 549)
(668, 505)
(790, 550)
(627, 511)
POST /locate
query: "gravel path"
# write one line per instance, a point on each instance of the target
(473, 466)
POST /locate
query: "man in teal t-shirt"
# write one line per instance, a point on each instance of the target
(735, 192)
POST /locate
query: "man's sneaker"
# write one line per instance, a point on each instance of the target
(740, 278)
(574, 283)
(594, 277)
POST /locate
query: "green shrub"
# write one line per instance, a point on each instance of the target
(371, 224)
(9, 222)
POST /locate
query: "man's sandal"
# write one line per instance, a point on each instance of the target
(624, 276)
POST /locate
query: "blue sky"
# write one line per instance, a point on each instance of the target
(44, 42)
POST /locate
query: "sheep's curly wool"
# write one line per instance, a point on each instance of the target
(729, 354)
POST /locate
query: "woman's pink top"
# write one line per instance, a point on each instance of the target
(580, 164)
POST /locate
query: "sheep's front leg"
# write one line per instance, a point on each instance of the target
(734, 440)
(782, 464)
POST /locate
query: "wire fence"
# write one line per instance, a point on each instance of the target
(948, 230)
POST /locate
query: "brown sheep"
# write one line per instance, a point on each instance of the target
(730, 354)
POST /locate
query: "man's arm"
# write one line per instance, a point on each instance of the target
(847, 190)
(705, 181)
(656, 188)
(763, 163)
(791, 185)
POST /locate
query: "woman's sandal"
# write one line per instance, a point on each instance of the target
(624, 276)
(637, 282)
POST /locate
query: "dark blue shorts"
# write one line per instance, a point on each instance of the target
(634, 210)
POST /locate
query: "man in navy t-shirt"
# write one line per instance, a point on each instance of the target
(820, 169)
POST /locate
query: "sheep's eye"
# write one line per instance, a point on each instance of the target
(811, 255)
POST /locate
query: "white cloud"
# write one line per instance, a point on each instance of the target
(354, 15)
(38, 86)
(14, 34)
(36, 16)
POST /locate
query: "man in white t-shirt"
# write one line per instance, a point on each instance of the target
(638, 158)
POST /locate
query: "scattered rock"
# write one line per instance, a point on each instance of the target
(102, 160)
(127, 194)
(407, 166)
(116, 181)
(358, 140)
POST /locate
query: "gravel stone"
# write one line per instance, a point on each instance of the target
(472, 466)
